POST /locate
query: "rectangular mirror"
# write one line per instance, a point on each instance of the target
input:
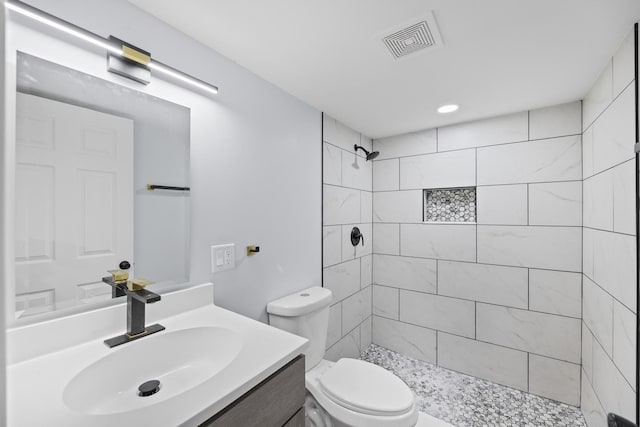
(86, 151)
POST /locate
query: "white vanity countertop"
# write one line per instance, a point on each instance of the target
(36, 386)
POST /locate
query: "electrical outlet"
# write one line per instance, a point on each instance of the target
(223, 257)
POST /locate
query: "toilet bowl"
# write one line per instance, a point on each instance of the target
(349, 392)
(358, 393)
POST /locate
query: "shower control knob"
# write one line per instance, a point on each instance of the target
(356, 236)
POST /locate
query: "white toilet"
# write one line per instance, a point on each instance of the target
(349, 392)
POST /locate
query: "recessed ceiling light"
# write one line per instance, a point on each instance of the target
(448, 108)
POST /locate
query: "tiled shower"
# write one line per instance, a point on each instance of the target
(539, 293)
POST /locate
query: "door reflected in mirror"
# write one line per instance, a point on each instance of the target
(86, 151)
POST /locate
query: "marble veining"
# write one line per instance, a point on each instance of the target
(547, 160)
(466, 401)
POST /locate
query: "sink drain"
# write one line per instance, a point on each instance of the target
(148, 388)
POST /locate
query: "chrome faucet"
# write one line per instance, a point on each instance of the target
(137, 299)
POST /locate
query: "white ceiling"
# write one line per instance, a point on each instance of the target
(499, 56)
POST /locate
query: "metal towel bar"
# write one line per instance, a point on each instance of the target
(152, 187)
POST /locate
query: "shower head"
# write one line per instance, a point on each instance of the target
(373, 155)
(370, 156)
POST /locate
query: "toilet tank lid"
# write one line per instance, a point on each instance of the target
(301, 302)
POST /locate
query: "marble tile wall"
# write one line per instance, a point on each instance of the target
(609, 255)
(500, 299)
(347, 270)
(539, 294)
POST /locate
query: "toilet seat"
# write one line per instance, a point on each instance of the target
(366, 388)
(361, 394)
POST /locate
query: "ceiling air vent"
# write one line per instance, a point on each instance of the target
(417, 37)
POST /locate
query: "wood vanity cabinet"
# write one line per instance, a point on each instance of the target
(275, 402)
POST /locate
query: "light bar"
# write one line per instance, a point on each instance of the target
(59, 24)
(176, 74)
(96, 40)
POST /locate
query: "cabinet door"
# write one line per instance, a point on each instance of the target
(273, 403)
(297, 420)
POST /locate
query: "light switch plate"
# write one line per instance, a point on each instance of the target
(223, 257)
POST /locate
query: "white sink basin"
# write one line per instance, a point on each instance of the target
(181, 360)
(206, 359)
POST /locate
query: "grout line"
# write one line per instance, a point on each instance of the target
(481, 341)
(471, 147)
(592, 389)
(475, 176)
(613, 200)
(529, 289)
(608, 231)
(610, 168)
(613, 331)
(437, 280)
(475, 320)
(349, 151)
(322, 202)
(582, 296)
(349, 188)
(581, 355)
(528, 370)
(342, 153)
(480, 263)
(342, 320)
(469, 224)
(637, 230)
(437, 339)
(476, 243)
(528, 206)
(476, 200)
(595, 338)
(613, 100)
(610, 294)
(582, 276)
(493, 304)
(341, 246)
(613, 84)
(481, 185)
(582, 253)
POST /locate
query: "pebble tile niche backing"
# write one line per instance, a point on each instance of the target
(450, 205)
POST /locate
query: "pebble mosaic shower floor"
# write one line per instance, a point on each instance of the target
(466, 401)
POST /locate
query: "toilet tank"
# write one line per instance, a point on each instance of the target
(304, 313)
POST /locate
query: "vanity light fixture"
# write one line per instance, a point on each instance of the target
(450, 108)
(121, 50)
(60, 25)
(179, 75)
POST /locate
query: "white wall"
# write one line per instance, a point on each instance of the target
(498, 299)
(347, 269)
(609, 249)
(255, 162)
(3, 228)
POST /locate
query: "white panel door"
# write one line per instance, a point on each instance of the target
(74, 201)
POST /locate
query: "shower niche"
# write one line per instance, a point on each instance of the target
(457, 205)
